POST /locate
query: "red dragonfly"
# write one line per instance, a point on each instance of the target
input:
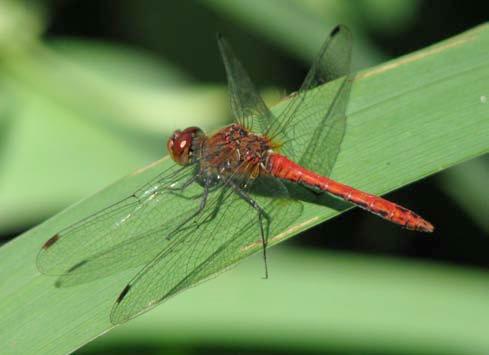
(225, 191)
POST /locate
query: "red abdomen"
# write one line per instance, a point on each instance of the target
(283, 168)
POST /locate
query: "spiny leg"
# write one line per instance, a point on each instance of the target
(261, 215)
(203, 202)
(184, 185)
(195, 196)
(216, 208)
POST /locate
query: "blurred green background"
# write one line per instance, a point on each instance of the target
(90, 91)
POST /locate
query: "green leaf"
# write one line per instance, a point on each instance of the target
(408, 118)
(322, 302)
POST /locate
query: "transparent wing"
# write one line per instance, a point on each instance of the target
(316, 129)
(311, 127)
(227, 232)
(248, 107)
(125, 233)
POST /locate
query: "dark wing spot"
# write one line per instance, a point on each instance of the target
(123, 293)
(76, 266)
(335, 31)
(50, 241)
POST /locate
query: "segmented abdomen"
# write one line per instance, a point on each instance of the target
(283, 168)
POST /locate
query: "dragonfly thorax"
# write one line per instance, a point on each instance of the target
(234, 152)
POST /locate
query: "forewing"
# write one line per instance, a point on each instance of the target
(122, 235)
(248, 107)
(225, 233)
(315, 119)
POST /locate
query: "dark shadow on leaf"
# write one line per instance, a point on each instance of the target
(270, 187)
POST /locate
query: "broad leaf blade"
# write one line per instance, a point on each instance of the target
(407, 119)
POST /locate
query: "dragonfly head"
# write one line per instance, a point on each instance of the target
(182, 144)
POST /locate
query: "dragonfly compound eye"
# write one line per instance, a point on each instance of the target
(182, 144)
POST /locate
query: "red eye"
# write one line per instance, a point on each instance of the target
(181, 143)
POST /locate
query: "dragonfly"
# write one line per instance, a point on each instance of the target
(225, 194)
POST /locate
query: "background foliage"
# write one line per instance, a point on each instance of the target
(90, 92)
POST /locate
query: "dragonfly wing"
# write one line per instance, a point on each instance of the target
(138, 250)
(246, 103)
(223, 234)
(283, 214)
(317, 131)
(117, 234)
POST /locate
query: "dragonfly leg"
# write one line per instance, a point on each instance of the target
(193, 197)
(148, 190)
(149, 186)
(262, 215)
(202, 205)
(184, 185)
